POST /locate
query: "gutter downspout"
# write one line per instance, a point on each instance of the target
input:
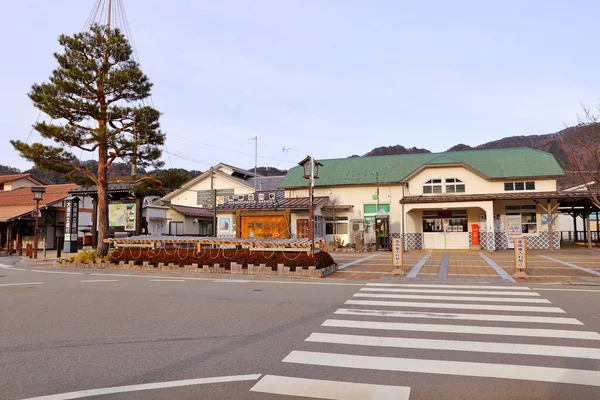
(403, 218)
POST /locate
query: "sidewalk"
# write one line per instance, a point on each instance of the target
(575, 266)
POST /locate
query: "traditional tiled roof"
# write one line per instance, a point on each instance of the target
(14, 177)
(494, 164)
(19, 202)
(189, 211)
(295, 203)
(266, 183)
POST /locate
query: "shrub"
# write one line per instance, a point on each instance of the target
(86, 255)
(223, 257)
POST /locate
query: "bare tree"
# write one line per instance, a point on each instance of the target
(582, 148)
(331, 213)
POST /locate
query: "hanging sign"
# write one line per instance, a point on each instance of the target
(520, 253)
(397, 253)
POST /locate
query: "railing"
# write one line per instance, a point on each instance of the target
(578, 236)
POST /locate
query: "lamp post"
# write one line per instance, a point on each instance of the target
(311, 172)
(38, 193)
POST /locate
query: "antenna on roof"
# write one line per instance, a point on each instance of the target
(255, 138)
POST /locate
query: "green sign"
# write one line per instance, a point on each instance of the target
(374, 197)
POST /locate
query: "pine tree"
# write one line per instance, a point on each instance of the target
(94, 98)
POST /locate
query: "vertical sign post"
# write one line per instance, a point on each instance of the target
(397, 256)
(520, 258)
(71, 224)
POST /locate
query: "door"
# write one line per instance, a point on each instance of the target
(302, 228)
(513, 228)
(382, 229)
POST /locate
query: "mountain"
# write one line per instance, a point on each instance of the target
(391, 150)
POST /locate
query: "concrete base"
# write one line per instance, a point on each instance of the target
(398, 271)
(520, 274)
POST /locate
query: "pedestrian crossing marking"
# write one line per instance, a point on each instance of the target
(448, 291)
(457, 345)
(489, 307)
(458, 316)
(468, 329)
(324, 389)
(456, 298)
(456, 368)
(433, 286)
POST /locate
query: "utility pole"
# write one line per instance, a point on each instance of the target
(109, 12)
(377, 179)
(255, 138)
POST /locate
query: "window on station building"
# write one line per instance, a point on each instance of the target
(445, 220)
(514, 186)
(340, 224)
(369, 211)
(432, 186)
(454, 185)
(528, 217)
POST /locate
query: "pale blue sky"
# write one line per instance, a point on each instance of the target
(326, 78)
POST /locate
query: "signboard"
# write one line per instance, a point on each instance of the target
(71, 224)
(374, 197)
(397, 252)
(264, 227)
(122, 215)
(520, 253)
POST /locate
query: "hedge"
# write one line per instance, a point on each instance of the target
(223, 257)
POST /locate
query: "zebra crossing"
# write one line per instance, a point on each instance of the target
(469, 331)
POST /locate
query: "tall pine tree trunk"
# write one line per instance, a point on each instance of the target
(102, 249)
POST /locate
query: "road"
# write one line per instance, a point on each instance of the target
(149, 336)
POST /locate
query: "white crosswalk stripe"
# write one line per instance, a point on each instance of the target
(496, 323)
(455, 298)
(459, 316)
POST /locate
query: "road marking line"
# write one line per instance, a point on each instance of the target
(249, 280)
(100, 280)
(443, 291)
(489, 307)
(56, 272)
(568, 290)
(456, 298)
(502, 273)
(356, 262)
(468, 329)
(457, 316)
(589, 271)
(232, 280)
(21, 284)
(457, 368)
(481, 286)
(166, 280)
(13, 268)
(335, 390)
(146, 386)
(457, 345)
(417, 268)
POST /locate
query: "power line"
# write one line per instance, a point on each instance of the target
(227, 149)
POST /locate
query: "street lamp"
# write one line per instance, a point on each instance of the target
(38, 193)
(311, 172)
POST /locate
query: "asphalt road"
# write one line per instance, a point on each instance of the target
(68, 331)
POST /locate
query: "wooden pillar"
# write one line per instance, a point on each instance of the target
(574, 224)
(550, 227)
(597, 227)
(138, 216)
(94, 222)
(587, 226)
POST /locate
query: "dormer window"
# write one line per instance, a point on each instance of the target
(240, 197)
(261, 197)
(229, 198)
(432, 186)
(271, 196)
(251, 197)
(454, 185)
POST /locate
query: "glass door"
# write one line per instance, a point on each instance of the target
(513, 228)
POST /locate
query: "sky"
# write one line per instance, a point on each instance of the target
(326, 78)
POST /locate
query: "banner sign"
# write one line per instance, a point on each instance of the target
(397, 253)
(520, 253)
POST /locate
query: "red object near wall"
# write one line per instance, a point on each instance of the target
(475, 234)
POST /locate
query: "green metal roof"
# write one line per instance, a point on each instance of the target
(518, 162)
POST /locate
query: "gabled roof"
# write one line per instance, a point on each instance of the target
(495, 164)
(192, 211)
(19, 202)
(14, 177)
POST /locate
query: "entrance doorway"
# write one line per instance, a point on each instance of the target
(382, 230)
